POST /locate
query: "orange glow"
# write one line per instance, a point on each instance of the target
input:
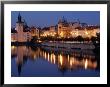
(61, 34)
(71, 62)
(51, 58)
(13, 40)
(68, 58)
(12, 47)
(45, 55)
(34, 56)
(54, 58)
(48, 56)
(86, 32)
(86, 64)
(61, 59)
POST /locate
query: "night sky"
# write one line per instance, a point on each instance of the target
(48, 18)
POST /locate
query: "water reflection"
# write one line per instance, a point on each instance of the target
(64, 59)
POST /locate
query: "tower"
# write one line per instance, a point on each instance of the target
(59, 27)
(19, 28)
(19, 17)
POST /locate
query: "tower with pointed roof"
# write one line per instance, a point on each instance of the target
(19, 28)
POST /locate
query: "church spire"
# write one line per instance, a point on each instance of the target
(19, 17)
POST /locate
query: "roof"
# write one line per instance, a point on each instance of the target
(26, 30)
(80, 28)
(88, 27)
(46, 28)
(13, 31)
(92, 27)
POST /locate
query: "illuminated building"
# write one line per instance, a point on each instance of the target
(64, 29)
(74, 29)
(21, 32)
(49, 31)
(34, 31)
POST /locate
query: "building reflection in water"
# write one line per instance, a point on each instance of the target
(65, 60)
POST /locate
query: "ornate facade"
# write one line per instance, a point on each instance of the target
(22, 33)
(74, 29)
(64, 29)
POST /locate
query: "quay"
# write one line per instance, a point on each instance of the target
(69, 45)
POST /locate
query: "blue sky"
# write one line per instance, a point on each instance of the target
(48, 18)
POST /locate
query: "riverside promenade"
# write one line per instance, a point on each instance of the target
(69, 45)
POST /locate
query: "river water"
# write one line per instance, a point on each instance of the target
(29, 61)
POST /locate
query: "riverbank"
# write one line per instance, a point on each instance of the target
(65, 45)
(24, 44)
(69, 45)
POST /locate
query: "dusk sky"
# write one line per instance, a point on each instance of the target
(48, 18)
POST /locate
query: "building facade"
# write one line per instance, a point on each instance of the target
(49, 31)
(34, 31)
(22, 33)
(74, 29)
(64, 29)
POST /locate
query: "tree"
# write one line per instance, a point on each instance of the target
(98, 37)
(96, 42)
(34, 39)
(79, 38)
(93, 39)
(87, 39)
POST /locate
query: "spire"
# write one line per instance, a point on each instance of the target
(63, 19)
(19, 17)
(60, 20)
(19, 69)
(78, 21)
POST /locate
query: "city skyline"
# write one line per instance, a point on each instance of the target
(50, 18)
(70, 49)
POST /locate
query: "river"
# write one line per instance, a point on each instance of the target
(29, 61)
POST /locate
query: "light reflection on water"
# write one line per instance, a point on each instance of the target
(54, 60)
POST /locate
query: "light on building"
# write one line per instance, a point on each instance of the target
(12, 47)
(86, 32)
